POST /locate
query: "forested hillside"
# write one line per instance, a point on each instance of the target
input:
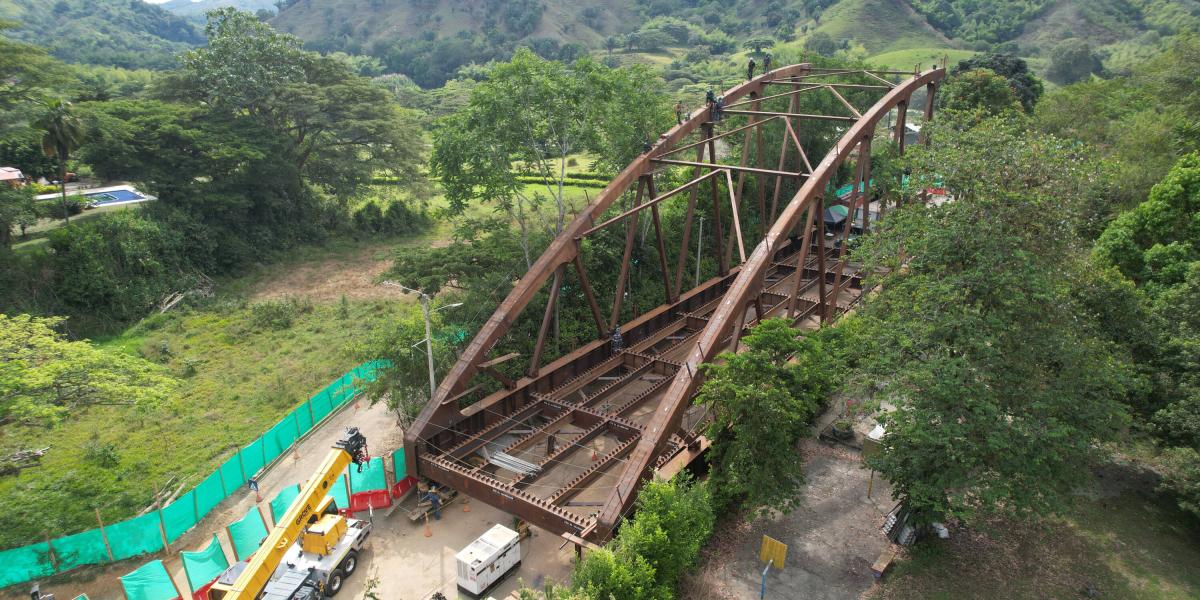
(195, 9)
(430, 41)
(123, 33)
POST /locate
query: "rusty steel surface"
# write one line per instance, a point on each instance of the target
(567, 445)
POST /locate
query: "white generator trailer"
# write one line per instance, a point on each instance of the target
(487, 560)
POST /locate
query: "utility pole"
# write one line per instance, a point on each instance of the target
(428, 330)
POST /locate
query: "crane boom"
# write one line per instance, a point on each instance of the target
(254, 578)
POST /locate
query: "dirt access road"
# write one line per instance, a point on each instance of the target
(833, 538)
(408, 565)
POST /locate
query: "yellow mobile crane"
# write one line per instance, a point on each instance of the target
(312, 548)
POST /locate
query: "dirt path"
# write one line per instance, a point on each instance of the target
(408, 565)
(833, 538)
(351, 272)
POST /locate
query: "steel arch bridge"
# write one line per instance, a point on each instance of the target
(566, 445)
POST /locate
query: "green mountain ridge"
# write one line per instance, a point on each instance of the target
(195, 9)
(122, 33)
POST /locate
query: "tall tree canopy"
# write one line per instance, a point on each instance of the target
(761, 405)
(44, 376)
(338, 127)
(527, 116)
(1001, 389)
(1025, 86)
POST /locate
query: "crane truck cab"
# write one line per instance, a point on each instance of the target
(310, 551)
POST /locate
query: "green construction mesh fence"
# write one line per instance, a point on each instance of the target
(205, 565)
(81, 549)
(247, 533)
(208, 494)
(179, 516)
(371, 478)
(149, 582)
(303, 417)
(321, 406)
(398, 466)
(340, 496)
(136, 536)
(252, 457)
(23, 564)
(280, 437)
(283, 500)
(232, 477)
(142, 535)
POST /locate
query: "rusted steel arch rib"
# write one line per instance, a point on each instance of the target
(744, 288)
(436, 415)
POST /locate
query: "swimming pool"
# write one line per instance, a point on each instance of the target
(111, 196)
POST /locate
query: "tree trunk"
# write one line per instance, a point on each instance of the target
(62, 184)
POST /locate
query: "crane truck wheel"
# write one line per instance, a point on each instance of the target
(335, 583)
(350, 563)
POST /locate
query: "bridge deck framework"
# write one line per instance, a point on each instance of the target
(567, 446)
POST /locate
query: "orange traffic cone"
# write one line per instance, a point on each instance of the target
(467, 505)
(428, 531)
(593, 454)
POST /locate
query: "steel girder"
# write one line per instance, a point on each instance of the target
(596, 391)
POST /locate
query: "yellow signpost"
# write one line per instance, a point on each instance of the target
(773, 550)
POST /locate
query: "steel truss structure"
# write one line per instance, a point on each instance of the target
(566, 446)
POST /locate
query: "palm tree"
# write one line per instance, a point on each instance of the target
(62, 134)
(611, 43)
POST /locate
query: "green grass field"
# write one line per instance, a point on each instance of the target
(907, 60)
(879, 25)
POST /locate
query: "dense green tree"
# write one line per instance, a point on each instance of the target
(405, 386)
(16, 208)
(16, 204)
(45, 377)
(980, 92)
(821, 43)
(672, 521)
(1001, 389)
(1154, 243)
(1024, 84)
(1072, 60)
(1127, 123)
(116, 267)
(524, 121)
(62, 133)
(338, 128)
(25, 72)
(762, 404)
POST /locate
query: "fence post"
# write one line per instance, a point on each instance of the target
(241, 465)
(263, 445)
(104, 536)
(296, 442)
(162, 528)
(312, 417)
(50, 554)
(220, 478)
